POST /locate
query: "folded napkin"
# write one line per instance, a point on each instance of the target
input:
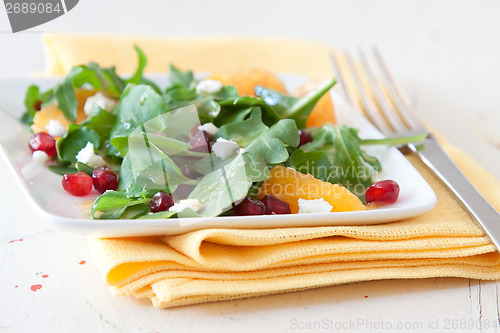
(223, 264)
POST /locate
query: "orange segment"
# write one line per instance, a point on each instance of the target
(323, 111)
(289, 185)
(245, 81)
(51, 111)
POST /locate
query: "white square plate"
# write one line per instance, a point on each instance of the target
(43, 188)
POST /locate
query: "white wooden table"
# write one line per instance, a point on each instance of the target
(445, 53)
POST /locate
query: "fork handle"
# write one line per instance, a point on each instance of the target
(486, 216)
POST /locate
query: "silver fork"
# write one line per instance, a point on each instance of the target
(386, 106)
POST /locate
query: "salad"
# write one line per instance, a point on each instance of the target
(229, 144)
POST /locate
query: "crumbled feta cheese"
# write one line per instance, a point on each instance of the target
(192, 204)
(209, 128)
(55, 128)
(314, 206)
(87, 156)
(40, 157)
(225, 148)
(101, 100)
(208, 87)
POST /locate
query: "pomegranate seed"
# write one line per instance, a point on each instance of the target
(160, 202)
(250, 207)
(188, 172)
(37, 105)
(104, 179)
(200, 142)
(183, 191)
(275, 205)
(305, 137)
(383, 191)
(78, 184)
(44, 142)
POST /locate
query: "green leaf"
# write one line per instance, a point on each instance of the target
(142, 61)
(351, 166)
(160, 215)
(30, 99)
(112, 204)
(315, 163)
(236, 109)
(138, 104)
(82, 167)
(294, 108)
(245, 131)
(180, 78)
(75, 139)
(65, 94)
(218, 190)
(61, 170)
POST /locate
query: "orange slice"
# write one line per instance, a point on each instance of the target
(245, 81)
(51, 111)
(289, 185)
(323, 111)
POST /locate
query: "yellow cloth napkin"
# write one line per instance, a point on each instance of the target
(222, 264)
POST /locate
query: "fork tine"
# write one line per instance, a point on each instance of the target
(367, 103)
(386, 107)
(399, 98)
(342, 81)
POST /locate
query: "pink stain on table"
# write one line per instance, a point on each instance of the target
(16, 240)
(35, 287)
(83, 262)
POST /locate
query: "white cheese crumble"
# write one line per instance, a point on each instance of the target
(225, 148)
(87, 156)
(40, 157)
(55, 128)
(100, 100)
(208, 87)
(192, 204)
(314, 206)
(209, 128)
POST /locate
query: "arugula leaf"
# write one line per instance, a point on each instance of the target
(263, 145)
(75, 139)
(238, 108)
(294, 108)
(351, 166)
(160, 215)
(218, 190)
(245, 131)
(142, 61)
(180, 78)
(112, 204)
(315, 163)
(30, 99)
(138, 104)
(95, 129)
(82, 167)
(61, 169)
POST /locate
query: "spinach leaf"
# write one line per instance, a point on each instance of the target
(160, 215)
(315, 163)
(61, 169)
(30, 99)
(294, 108)
(245, 131)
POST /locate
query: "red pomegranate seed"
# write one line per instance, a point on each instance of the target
(305, 137)
(200, 142)
(250, 207)
(183, 191)
(160, 202)
(44, 142)
(104, 179)
(188, 172)
(382, 191)
(77, 184)
(37, 105)
(275, 205)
